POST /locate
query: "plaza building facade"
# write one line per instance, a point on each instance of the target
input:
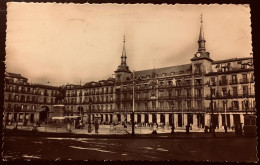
(198, 94)
(23, 100)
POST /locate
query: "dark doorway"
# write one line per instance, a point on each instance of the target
(162, 116)
(236, 118)
(146, 118)
(119, 117)
(179, 120)
(106, 117)
(215, 120)
(201, 121)
(101, 117)
(154, 119)
(228, 120)
(190, 119)
(111, 118)
(44, 113)
(32, 118)
(138, 118)
(15, 117)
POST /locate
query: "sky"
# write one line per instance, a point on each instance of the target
(57, 44)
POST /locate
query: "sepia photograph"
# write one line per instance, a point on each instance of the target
(122, 82)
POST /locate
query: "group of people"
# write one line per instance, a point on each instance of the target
(79, 124)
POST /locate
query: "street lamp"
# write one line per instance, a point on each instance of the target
(89, 120)
(225, 126)
(212, 113)
(133, 113)
(172, 119)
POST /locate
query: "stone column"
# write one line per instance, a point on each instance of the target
(220, 121)
(176, 120)
(150, 120)
(195, 121)
(231, 120)
(167, 118)
(185, 121)
(36, 116)
(135, 117)
(207, 120)
(242, 119)
(122, 118)
(108, 118)
(142, 118)
(128, 117)
(158, 116)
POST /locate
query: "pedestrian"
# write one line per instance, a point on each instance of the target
(68, 127)
(96, 126)
(225, 128)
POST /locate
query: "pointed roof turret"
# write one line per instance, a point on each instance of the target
(201, 40)
(123, 67)
(201, 53)
(123, 57)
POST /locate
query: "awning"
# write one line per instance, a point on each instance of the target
(58, 117)
(71, 116)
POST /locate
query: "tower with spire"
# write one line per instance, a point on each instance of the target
(201, 60)
(123, 71)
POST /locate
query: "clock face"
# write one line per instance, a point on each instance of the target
(198, 54)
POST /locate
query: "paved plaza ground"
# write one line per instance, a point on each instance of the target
(108, 129)
(242, 149)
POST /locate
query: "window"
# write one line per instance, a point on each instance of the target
(244, 78)
(235, 105)
(154, 105)
(224, 91)
(179, 105)
(161, 105)
(234, 91)
(223, 80)
(178, 92)
(245, 104)
(198, 104)
(189, 104)
(213, 91)
(213, 81)
(188, 92)
(198, 92)
(198, 82)
(146, 106)
(197, 69)
(234, 79)
(245, 90)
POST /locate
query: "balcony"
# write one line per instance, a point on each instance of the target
(244, 81)
(233, 82)
(221, 83)
(164, 86)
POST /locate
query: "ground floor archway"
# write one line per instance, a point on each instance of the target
(44, 114)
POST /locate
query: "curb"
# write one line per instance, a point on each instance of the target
(177, 135)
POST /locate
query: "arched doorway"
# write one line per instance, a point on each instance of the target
(146, 118)
(44, 113)
(154, 119)
(162, 117)
(118, 117)
(139, 118)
